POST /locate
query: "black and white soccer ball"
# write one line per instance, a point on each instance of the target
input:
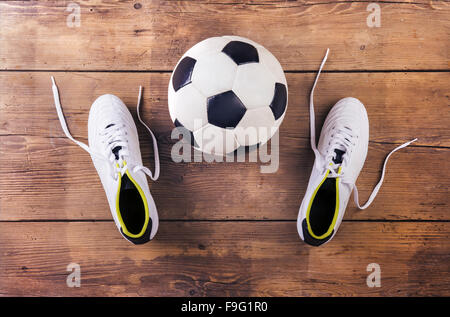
(223, 90)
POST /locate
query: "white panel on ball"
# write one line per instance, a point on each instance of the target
(215, 140)
(213, 74)
(190, 108)
(210, 45)
(254, 85)
(255, 126)
(271, 63)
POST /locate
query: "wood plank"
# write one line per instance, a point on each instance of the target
(414, 260)
(52, 179)
(400, 105)
(153, 35)
(45, 175)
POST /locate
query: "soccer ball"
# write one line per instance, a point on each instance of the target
(228, 92)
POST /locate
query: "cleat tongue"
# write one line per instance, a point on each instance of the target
(116, 151)
(338, 159)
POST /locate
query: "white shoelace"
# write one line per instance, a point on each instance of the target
(344, 140)
(113, 137)
(347, 142)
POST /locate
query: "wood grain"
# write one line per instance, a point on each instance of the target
(224, 259)
(400, 105)
(119, 35)
(48, 177)
(226, 229)
(52, 179)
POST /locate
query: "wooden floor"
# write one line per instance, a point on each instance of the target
(226, 229)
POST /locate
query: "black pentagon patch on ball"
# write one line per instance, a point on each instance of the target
(225, 110)
(241, 52)
(184, 130)
(279, 101)
(183, 73)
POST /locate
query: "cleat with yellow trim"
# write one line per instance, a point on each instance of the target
(115, 152)
(339, 158)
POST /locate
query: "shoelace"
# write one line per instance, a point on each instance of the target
(332, 167)
(343, 138)
(113, 137)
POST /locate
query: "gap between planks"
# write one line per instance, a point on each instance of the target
(229, 220)
(162, 71)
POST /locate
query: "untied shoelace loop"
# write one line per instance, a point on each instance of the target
(332, 167)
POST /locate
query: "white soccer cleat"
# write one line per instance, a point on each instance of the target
(339, 158)
(115, 152)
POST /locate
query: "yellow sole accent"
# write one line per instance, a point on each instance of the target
(141, 192)
(336, 211)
